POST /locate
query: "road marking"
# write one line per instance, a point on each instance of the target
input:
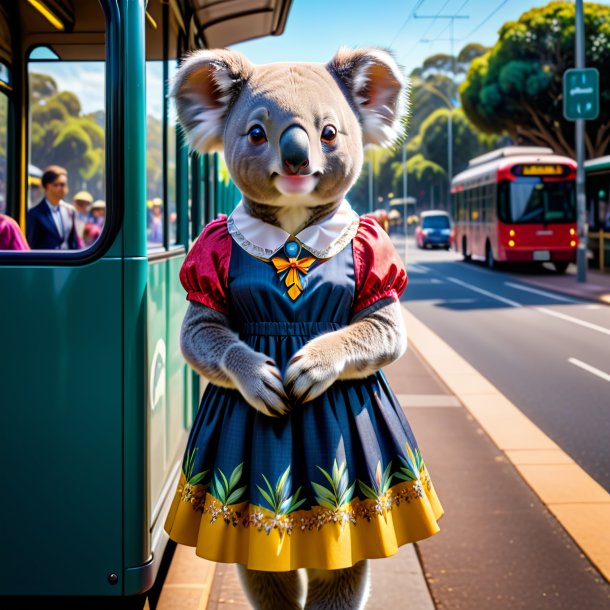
(422, 280)
(563, 316)
(542, 293)
(588, 367)
(582, 507)
(486, 293)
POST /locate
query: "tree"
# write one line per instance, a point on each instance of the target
(467, 141)
(517, 86)
(62, 136)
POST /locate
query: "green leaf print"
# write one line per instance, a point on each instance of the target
(413, 465)
(224, 490)
(381, 484)
(340, 491)
(278, 500)
(189, 465)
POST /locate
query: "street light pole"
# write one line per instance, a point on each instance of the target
(371, 208)
(404, 194)
(581, 201)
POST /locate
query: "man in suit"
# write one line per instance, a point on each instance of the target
(51, 225)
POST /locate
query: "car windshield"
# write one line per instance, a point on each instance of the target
(532, 200)
(435, 222)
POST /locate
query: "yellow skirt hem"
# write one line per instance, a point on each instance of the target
(291, 542)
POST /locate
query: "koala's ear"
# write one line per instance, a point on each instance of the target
(205, 87)
(378, 90)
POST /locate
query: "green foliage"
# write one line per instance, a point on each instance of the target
(517, 86)
(69, 101)
(42, 86)
(433, 92)
(466, 139)
(61, 135)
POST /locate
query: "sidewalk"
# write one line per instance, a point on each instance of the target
(499, 548)
(596, 288)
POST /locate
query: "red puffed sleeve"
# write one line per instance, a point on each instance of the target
(380, 272)
(205, 272)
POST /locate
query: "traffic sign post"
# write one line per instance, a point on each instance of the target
(581, 94)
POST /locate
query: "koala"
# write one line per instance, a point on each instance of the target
(293, 136)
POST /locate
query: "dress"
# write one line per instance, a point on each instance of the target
(337, 480)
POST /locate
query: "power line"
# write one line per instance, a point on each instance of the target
(429, 27)
(409, 17)
(488, 17)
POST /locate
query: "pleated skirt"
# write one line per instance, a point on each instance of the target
(337, 480)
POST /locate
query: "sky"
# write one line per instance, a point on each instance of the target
(316, 28)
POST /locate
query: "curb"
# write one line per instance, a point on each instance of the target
(588, 292)
(578, 502)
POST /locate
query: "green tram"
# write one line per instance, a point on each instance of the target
(96, 399)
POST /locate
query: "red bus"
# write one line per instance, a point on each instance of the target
(516, 204)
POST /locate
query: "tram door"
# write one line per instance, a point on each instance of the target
(82, 509)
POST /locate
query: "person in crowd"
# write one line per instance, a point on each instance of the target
(11, 237)
(51, 225)
(90, 233)
(98, 213)
(82, 204)
(156, 227)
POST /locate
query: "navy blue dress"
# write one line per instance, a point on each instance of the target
(337, 480)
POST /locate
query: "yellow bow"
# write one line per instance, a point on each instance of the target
(293, 266)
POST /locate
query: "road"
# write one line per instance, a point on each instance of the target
(547, 353)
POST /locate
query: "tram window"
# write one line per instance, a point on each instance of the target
(3, 153)
(155, 169)
(67, 120)
(172, 200)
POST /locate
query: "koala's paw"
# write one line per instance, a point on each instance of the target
(259, 381)
(314, 368)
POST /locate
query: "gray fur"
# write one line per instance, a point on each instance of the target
(346, 589)
(216, 352)
(273, 590)
(219, 97)
(355, 351)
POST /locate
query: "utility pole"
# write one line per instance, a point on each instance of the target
(581, 201)
(371, 207)
(451, 39)
(404, 194)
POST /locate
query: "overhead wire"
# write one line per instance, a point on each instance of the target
(487, 18)
(404, 23)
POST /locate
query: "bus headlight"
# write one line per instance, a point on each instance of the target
(512, 232)
(573, 243)
(572, 232)
(511, 242)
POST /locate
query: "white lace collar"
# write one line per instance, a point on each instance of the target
(323, 239)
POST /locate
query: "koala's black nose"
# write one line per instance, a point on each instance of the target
(294, 149)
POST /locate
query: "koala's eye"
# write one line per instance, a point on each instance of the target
(329, 134)
(257, 135)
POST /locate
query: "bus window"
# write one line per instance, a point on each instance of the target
(67, 121)
(155, 169)
(533, 200)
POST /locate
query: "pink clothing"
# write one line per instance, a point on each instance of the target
(11, 237)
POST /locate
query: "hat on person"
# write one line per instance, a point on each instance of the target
(83, 196)
(99, 205)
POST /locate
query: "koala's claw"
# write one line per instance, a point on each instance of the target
(310, 373)
(259, 381)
